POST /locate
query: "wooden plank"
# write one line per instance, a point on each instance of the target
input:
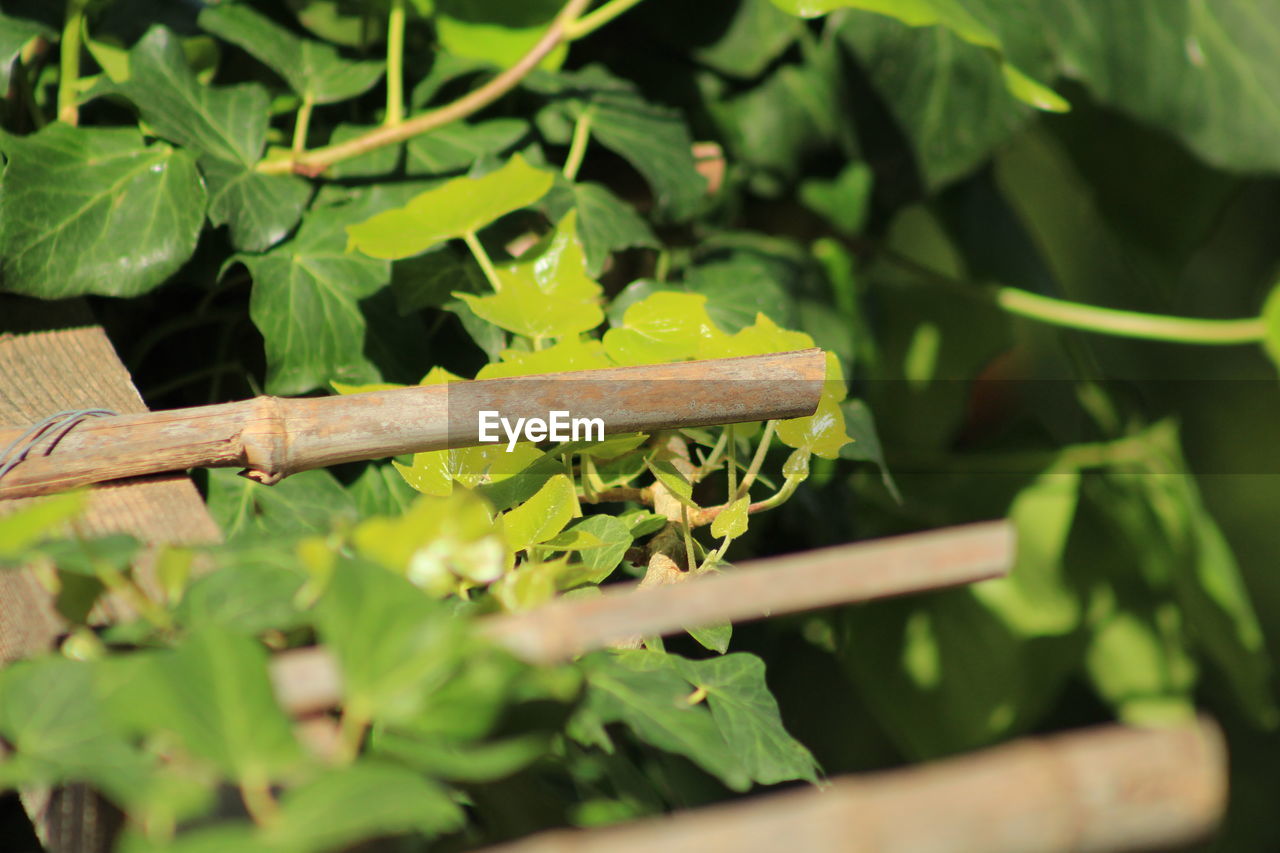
(40, 374)
(1101, 790)
(307, 680)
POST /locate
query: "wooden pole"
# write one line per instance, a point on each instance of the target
(273, 437)
(1101, 790)
(307, 680)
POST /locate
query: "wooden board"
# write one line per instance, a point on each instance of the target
(42, 373)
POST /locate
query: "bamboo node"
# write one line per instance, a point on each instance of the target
(264, 442)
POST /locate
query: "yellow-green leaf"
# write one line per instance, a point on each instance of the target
(732, 520)
(455, 208)
(542, 516)
(822, 433)
(664, 326)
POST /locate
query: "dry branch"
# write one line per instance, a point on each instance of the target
(1101, 790)
(306, 680)
(273, 437)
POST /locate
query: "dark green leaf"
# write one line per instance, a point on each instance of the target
(865, 446)
(380, 490)
(312, 69)
(605, 222)
(247, 595)
(736, 291)
(95, 211)
(379, 162)
(748, 717)
(307, 502)
(645, 691)
(429, 280)
(229, 123)
(305, 301)
(14, 34)
(756, 35)
(455, 147)
(260, 209)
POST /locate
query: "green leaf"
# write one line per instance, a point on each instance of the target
(1177, 65)
(377, 163)
(716, 638)
(732, 520)
(453, 209)
(737, 293)
(755, 36)
(844, 200)
(307, 502)
(615, 538)
(605, 222)
(662, 327)
(822, 433)
(865, 445)
(668, 475)
(95, 211)
(305, 301)
(214, 693)
(392, 643)
(541, 516)
(379, 490)
(260, 209)
(498, 33)
(362, 801)
(1138, 665)
(429, 280)
(312, 69)
(748, 717)
(954, 16)
(652, 139)
(456, 147)
(29, 524)
(251, 593)
(14, 35)
(51, 716)
(229, 123)
(1036, 597)
(646, 691)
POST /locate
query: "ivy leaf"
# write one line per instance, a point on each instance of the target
(456, 147)
(312, 69)
(953, 15)
(496, 33)
(822, 433)
(95, 211)
(29, 524)
(615, 538)
(307, 502)
(428, 280)
(541, 516)
(732, 520)
(229, 123)
(1138, 664)
(737, 293)
(757, 34)
(652, 139)
(605, 222)
(14, 35)
(453, 209)
(748, 717)
(644, 690)
(865, 445)
(212, 690)
(392, 643)
(664, 326)
(668, 475)
(260, 209)
(364, 800)
(305, 301)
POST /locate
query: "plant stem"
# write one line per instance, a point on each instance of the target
(578, 145)
(351, 730)
(314, 162)
(689, 560)
(395, 65)
(482, 258)
(757, 462)
(733, 461)
(69, 61)
(302, 122)
(258, 801)
(588, 24)
(1128, 324)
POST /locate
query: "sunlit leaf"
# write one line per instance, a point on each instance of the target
(541, 516)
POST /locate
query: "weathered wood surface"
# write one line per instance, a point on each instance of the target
(40, 374)
(1102, 790)
(307, 680)
(273, 437)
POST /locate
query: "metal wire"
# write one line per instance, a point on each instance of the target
(56, 425)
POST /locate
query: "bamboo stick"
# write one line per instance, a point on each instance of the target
(273, 437)
(307, 680)
(1100, 790)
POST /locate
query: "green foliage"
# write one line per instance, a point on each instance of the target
(864, 170)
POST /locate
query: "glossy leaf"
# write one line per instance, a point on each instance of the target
(541, 516)
(663, 327)
(496, 33)
(260, 209)
(229, 123)
(615, 538)
(313, 69)
(605, 222)
(458, 207)
(822, 433)
(732, 520)
(95, 211)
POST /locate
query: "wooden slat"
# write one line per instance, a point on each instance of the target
(40, 374)
(1102, 790)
